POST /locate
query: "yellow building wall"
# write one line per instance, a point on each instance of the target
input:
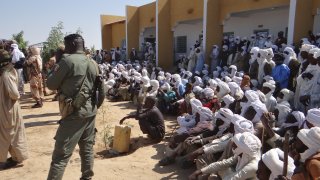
(165, 35)
(315, 5)
(231, 6)
(185, 10)
(147, 16)
(303, 19)
(118, 33)
(132, 28)
(214, 30)
(106, 33)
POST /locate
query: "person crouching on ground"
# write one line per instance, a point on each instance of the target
(150, 120)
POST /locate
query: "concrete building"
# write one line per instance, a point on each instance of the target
(175, 25)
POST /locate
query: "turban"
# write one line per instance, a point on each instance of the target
(205, 114)
(197, 89)
(288, 95)
(269, 85)
(198, 81)
(306, 48)
(299, 116)
(146, 81)
(313, 117)
(235, 90)
(284, 111)
(247, 143)
(228, 100)
(213, 84)
(224, 89)
(233, 67)
(154, 84)
(273, 159)
(137, 79)
(227, 79)
(237, 80)
(160, 78)
(251, 95)
(241, 124)
(166, 86)
(208, 93)
(195, 104)
(316, 54)
(225, 115)
(260, 108)
(215, 74)
(311, 138)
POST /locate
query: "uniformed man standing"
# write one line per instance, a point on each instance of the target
(74, 78)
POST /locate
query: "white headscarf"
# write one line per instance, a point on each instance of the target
(213, 84)
(300, 118)
(225, 115)
(16, 53)
(235, 90)
(227, 99)
(198, 81)
(241, 124)
(311, 138)
(208, 93)
(260, 108)
(288, 95)
(248, 145)
(284, 111)
(154, 84)
(205, 114)
(177, 79)
(313, 116)
(224, 89)
(195, 105)
(273, 159)
(166, 86)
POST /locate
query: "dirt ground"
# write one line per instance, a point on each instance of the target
(140, 163)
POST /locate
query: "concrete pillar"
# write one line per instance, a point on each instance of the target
(213, 29)
(132, 28)
(164, 35)
(300, 20)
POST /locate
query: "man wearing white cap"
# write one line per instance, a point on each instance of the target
(271, 165)
(308, 145)
(246, 157)
(312, 119)
(192, 60)
(254, 65)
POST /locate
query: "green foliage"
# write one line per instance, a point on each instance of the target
(54, 40)
(20, 40)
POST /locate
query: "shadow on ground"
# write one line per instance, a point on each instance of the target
(40, 123)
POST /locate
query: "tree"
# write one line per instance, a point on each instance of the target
(79, 31)
(93, 49)
(54, 40)
(20, 40)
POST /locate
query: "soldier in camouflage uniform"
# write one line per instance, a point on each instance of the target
(74, 76)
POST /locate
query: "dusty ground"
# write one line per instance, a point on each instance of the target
(41, 125)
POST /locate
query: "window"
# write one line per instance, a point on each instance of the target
(181, 45)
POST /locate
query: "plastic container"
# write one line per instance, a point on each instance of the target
(121, 140)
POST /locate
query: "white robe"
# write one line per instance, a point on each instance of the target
(12, 134)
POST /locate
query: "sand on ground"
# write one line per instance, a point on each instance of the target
(41, 125)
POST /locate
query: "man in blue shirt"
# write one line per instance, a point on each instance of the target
(280, 72)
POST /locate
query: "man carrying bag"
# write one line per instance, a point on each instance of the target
(75, 77)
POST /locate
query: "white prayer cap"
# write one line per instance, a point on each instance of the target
(195, 104)
(288, 95)
(306, 48)
(269, 85)
(268, 78)
(251, 95)
(205, 114)
(241, 124)
(197, 89)
(145, 80)
(313, 116)
(247, 143)
(208, 93)
(273, 159)
(227, 99)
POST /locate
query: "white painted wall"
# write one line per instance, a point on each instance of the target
(275, 20)
(191, 30)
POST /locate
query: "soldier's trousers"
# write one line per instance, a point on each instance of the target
(73, 131)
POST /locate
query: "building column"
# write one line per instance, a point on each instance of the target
(300, 20)
(132, 28)
(164, 54)
(213, 29)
